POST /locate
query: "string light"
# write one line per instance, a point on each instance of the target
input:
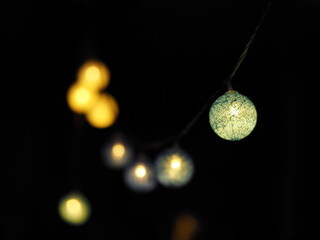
(74, 209)
(174, 167)
(104, 112)
(80, 98)
(94, 74)
(117, 152)
(233, 116)
(140, 176)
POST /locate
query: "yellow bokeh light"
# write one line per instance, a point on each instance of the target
(94, 75)
(140, 171)
(175, 162)
(104, 112)
(74, 209)
(140, 176)
(174, 167)
(73, 206)
(80, 99)
(118, 151)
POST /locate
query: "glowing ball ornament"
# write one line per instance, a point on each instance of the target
(140, 176)
(80, 98)
(174, 167)
(74, 209)
(233, 116)
(104, 112)
(117, 153)
(94, 74)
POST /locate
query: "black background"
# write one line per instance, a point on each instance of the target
(166, 59)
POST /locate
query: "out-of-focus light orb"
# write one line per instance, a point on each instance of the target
(117, 153)
(94, 74)
(81, 99)
(140, 177)
(74, 209)
(104, 112)
(185, 227)
(233, 116)
(174, 167)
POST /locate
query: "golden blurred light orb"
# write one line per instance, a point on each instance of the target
(74, 209)
(81, 99)
(117, 152)
(94, 74)
(104, 112)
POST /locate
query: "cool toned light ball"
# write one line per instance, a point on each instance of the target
(174, 167)
(233, 116)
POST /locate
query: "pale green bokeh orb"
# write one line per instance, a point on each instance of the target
(74, 209)
(174, 168)
(233, 116)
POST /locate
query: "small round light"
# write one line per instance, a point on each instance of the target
(104, 112)
(80, 98)
(94, 74)
(74, 209)
(233, 116)
(140, 176)
(117, 153)
(174, 167)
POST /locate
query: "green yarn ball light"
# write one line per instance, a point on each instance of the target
(233, 116)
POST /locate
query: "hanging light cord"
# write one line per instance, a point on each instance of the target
(245, 51)
(176, 138)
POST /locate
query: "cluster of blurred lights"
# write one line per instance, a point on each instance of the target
(85, 95)
(172, 167)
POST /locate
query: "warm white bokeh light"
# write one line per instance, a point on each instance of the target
(74, 209)
(118, 150)
(140, 177)
(140, 171)
(233, 116)
(81, 99)
(174, 167)
(94, 74)
(104, 112)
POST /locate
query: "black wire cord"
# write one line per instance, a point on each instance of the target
(175, 139)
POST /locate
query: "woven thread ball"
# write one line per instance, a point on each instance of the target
(174, 168)
(233, 116)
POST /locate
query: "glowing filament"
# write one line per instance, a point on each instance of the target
(234, 111)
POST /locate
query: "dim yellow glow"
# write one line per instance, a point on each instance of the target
(118, 151)
(80, 99)
(74, 209)
(94, 75)
(104, 112)
(185, 227)
(140, 171)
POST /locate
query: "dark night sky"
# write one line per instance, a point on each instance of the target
(166, 59)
